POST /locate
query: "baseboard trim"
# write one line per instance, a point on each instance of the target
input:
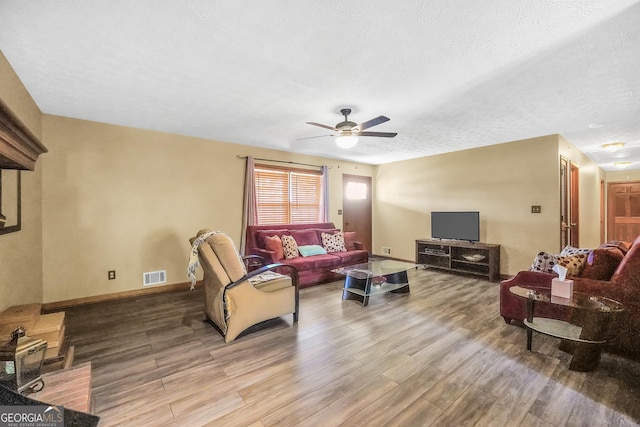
(55, 306)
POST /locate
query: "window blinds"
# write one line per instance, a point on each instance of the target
(287, 196)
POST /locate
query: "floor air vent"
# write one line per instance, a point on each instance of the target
(154, 277)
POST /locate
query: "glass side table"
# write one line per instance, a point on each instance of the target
(588, 328)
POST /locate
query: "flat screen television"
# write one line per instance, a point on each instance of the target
(456, 225)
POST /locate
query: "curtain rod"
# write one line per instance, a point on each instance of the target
(280, 161)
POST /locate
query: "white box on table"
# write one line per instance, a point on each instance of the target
(561, 288)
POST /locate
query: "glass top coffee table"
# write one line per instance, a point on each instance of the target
(587, 329)
(375, 277)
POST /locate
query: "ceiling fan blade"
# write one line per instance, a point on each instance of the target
(321, 125)
(311, 137)
(380, 134)
(373, 122)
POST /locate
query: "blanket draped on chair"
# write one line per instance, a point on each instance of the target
(193, 256)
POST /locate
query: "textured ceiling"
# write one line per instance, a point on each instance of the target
(450, 74)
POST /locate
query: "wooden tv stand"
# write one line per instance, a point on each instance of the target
(481, 259)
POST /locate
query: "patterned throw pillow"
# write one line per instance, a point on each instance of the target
(544, 262)
(333, 242)
(570, 250)
(573, 263)
(289, 246)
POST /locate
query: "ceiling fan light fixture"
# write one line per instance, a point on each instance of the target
(613, 146)
(347, 141)
(347, 132)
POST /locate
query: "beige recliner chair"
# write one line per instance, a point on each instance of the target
(234, 299)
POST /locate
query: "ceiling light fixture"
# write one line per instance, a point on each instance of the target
(346, 140)
(613, 146)
(621, 165)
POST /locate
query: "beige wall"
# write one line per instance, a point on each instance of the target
(21, 252)
(500, 181)
(622, 175)
(124, 199)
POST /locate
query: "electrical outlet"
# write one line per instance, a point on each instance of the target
(111, 274)
(386, 250)
(536, 209)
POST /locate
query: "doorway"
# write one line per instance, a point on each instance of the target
(574, 206)
(602, 211)
(569, 204)
(623, 210)
(356, 207)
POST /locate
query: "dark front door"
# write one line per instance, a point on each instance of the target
(356, 207)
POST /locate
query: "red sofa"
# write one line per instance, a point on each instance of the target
(311, 269)
(623, 285)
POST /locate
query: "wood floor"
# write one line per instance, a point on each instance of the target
(439, 356)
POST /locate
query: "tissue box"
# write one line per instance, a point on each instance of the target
(561, 288)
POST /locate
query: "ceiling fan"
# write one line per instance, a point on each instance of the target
(347, 132)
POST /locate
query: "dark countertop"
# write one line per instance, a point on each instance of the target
(71, 418)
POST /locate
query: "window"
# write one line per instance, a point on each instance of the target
(287, 196)
(356, 191)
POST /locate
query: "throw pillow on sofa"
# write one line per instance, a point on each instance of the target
(570, 251)
(544, 262)
(289, 246)
(274, 243)
(310, 250)
(261, 236)
(573, 263)
(333, 242)
(349, 240)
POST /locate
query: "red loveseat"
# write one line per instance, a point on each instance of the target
(312, 269)
(623, 285)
